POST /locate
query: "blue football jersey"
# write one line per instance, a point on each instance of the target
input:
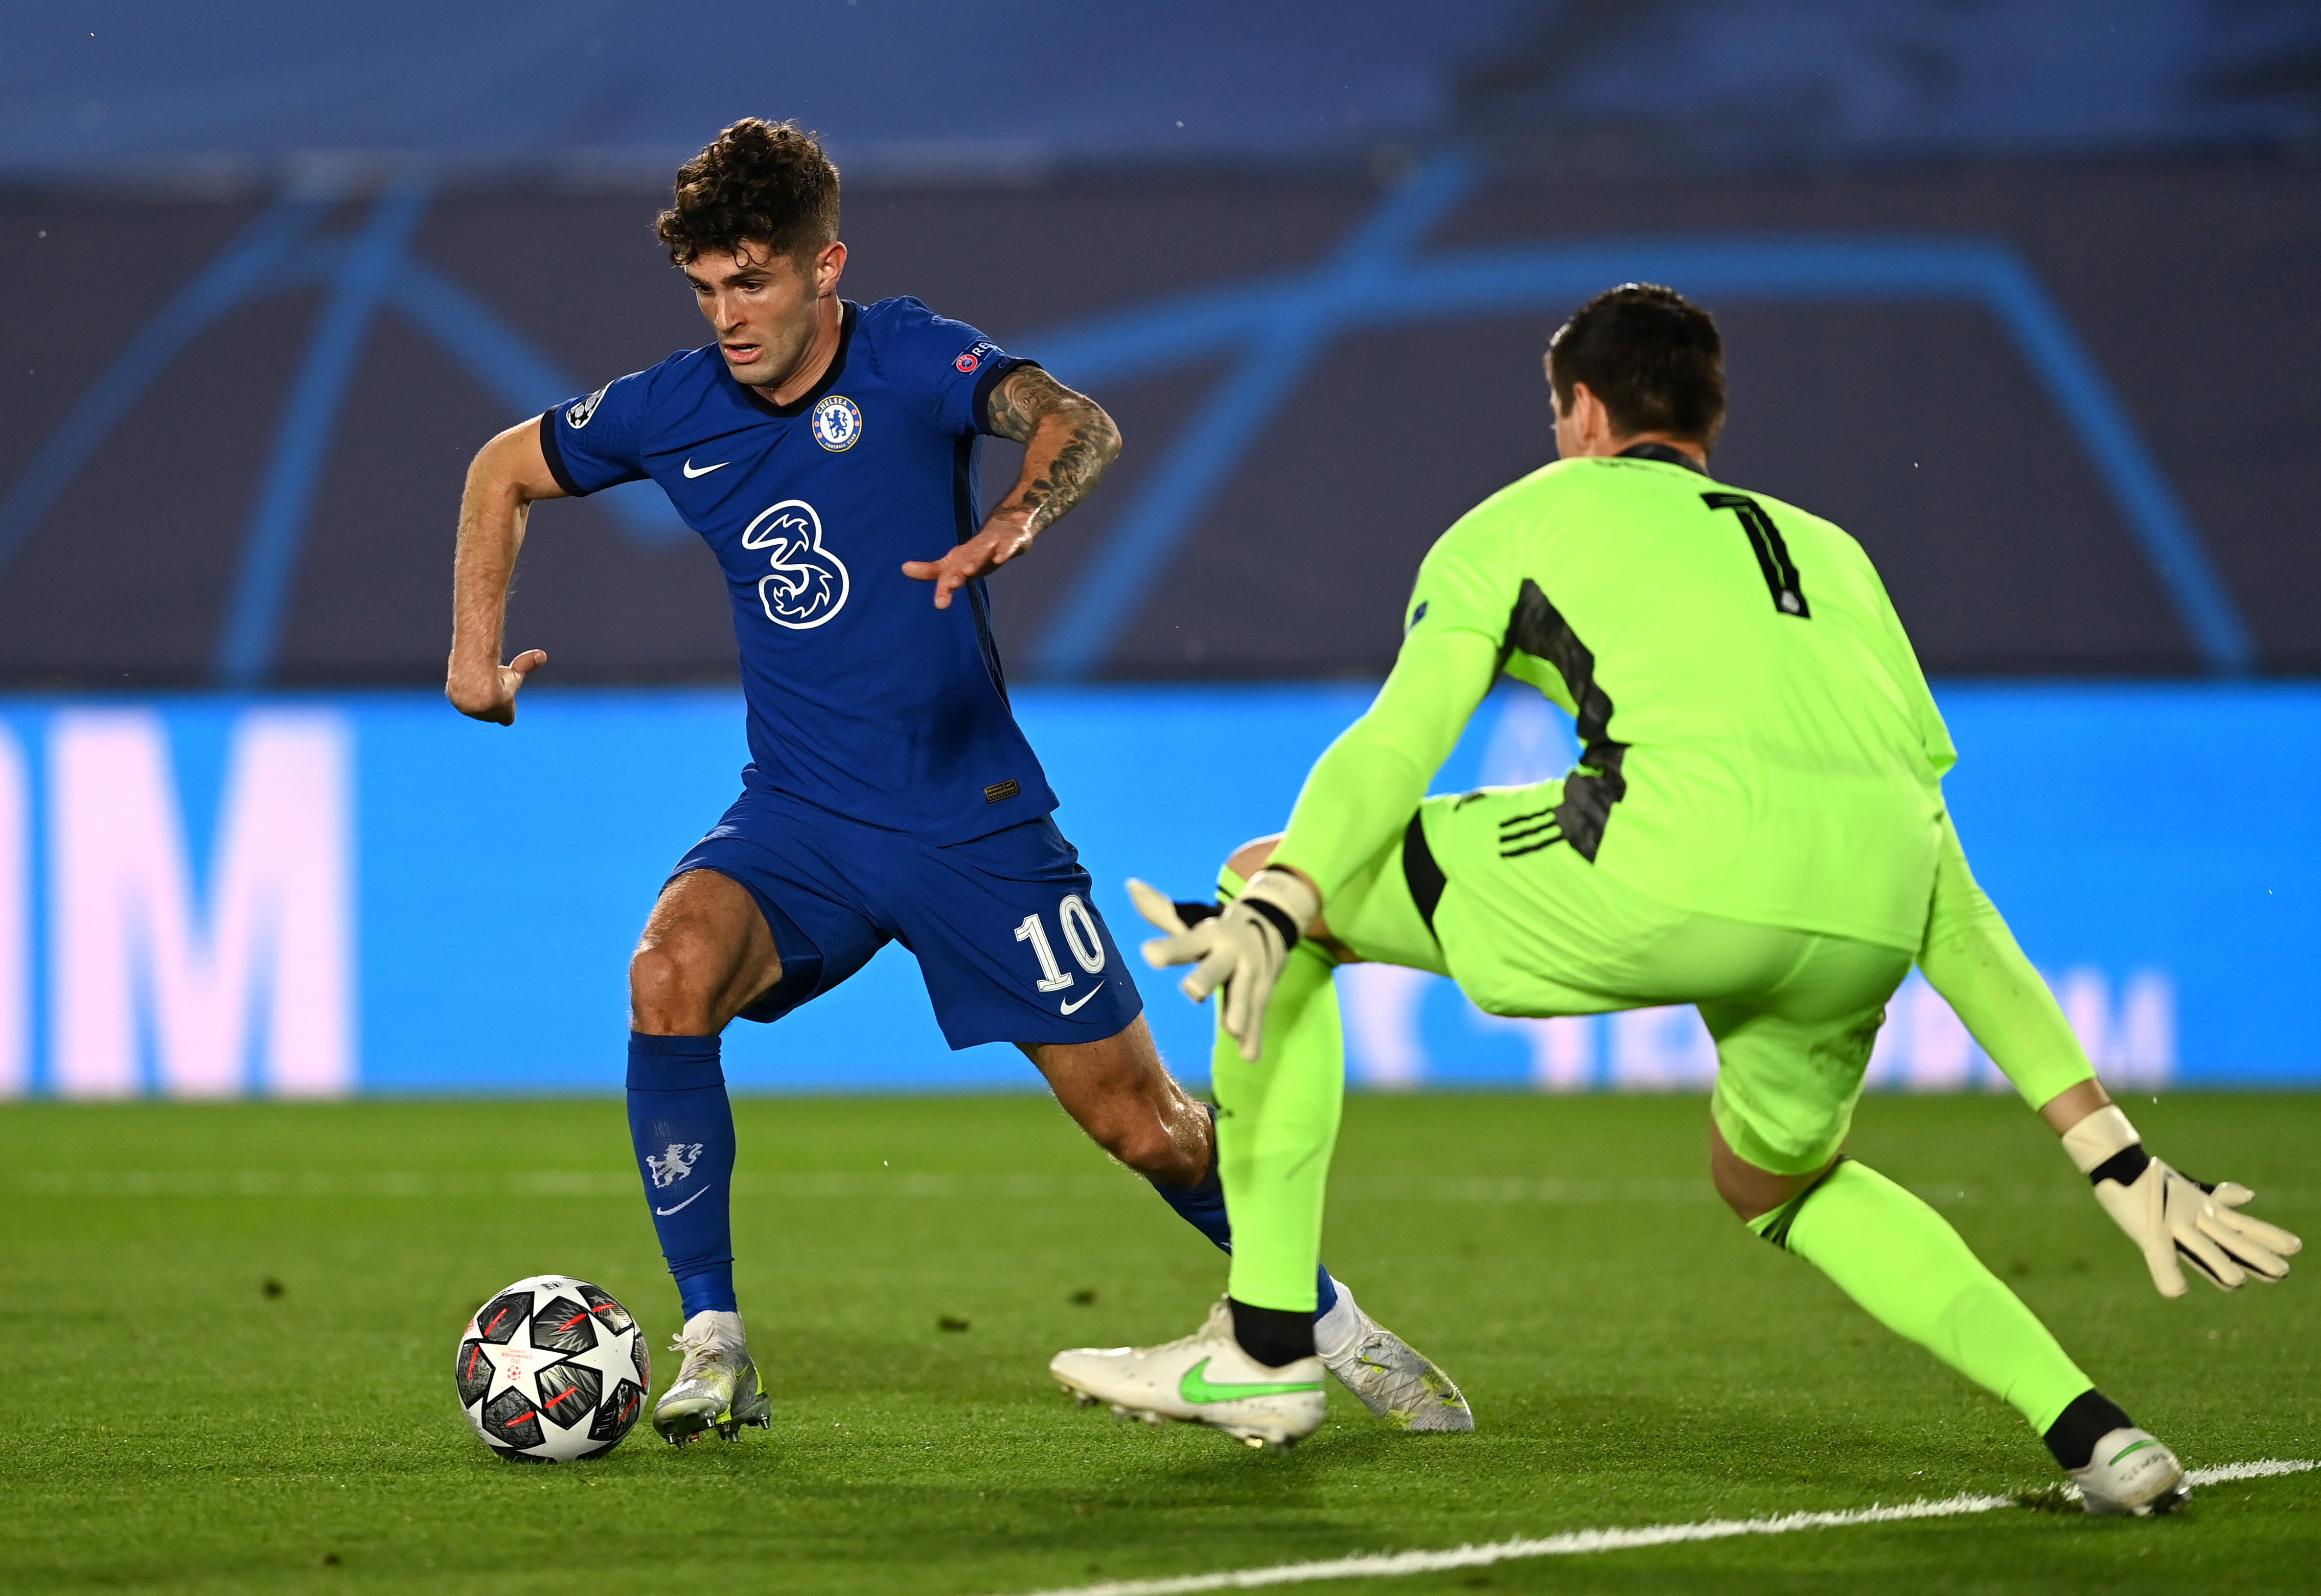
(863, 698)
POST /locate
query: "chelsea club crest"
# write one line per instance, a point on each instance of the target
(837, 423)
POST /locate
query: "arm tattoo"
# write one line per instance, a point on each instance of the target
(1070, 473)
(1068, 442)
(1021, 399)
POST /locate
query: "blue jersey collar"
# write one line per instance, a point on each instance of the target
(806, 401)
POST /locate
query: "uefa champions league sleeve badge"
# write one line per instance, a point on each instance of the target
(837, 423)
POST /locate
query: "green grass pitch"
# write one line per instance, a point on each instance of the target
(1634, 1356)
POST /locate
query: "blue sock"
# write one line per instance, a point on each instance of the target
(682, 1126)
(1203, 1207)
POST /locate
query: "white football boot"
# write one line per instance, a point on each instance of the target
(1203, 1378)
(1395, 1380)
(2132, 1472)
(715, 1386)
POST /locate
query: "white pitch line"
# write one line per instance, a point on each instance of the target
(1385, 1565)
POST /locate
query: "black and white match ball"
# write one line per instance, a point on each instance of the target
(552, 1369)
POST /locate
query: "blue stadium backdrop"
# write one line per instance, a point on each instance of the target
(214, 895)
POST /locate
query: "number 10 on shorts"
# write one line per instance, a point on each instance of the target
(1079, 936)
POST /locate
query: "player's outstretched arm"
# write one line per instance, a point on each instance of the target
(1970, 956)
(508, 474)
(1971, 959)
(1357, 799)
(1068, 442)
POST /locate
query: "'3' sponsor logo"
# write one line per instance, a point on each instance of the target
(809, 584)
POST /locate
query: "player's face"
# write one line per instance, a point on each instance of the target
(762, 305)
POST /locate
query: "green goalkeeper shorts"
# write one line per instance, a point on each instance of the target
(1540, 930)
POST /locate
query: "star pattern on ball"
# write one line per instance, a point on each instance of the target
(517, 1365)
(613, 1357)
(564, 1381)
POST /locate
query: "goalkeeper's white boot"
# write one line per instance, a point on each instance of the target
(1203, 1378)
(717, 1384)
(2132, 1472)
(1395, 1380)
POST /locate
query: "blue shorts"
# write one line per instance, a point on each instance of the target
(1004, 928)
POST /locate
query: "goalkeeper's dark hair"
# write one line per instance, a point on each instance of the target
(1650, 355)
(762, 183)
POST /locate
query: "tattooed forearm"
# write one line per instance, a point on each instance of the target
(1081, 452)
(1068, 441)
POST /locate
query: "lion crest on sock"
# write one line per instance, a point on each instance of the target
(674, 1165)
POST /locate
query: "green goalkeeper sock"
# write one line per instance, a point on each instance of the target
(1913, 1274)
(1277, 1126)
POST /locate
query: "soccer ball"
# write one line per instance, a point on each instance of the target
(552, 1369)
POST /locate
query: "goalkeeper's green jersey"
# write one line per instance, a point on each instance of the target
(1757, 738)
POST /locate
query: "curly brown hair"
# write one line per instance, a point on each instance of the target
(761, 183)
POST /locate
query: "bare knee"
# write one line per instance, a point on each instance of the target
(1120, 1093)
(1144, 1143)
(1741, 1193)
(1125, 1122)
(673, 980)
(1749, 1190)
(706, 952)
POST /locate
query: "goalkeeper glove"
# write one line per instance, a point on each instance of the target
(2171, 1216)
(1241, 949)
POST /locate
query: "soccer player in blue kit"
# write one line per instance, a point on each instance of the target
(824, 449)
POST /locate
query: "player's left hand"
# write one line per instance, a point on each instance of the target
(1007, 534)
(1241, 949)
(2172, 1217)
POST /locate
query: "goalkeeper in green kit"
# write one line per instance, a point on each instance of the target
(1755, 826)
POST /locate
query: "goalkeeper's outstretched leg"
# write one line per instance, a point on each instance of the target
(1909, 1270)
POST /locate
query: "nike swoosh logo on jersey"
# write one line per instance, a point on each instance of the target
(705, 470)
(689, 1201)
(1196, 1388)
(1075, 1008)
